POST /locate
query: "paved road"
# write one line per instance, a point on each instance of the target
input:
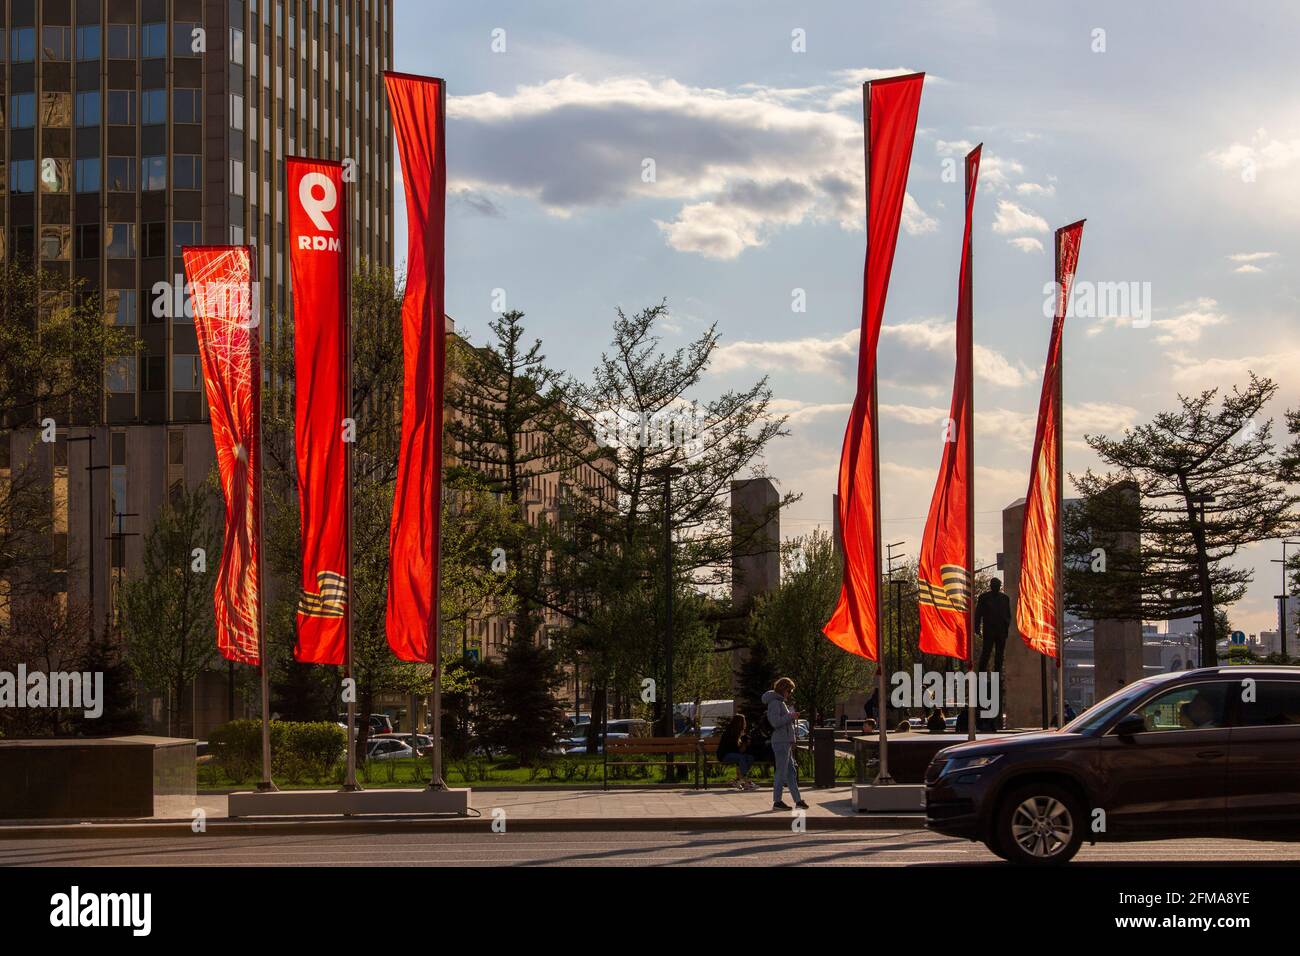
(718, 848)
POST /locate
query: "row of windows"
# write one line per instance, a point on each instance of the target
(120, 374)
(119, 108)
(119, 174)
(118, 40)
(121, 240)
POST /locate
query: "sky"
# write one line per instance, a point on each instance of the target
(1172, 127)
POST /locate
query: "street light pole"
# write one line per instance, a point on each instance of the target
(667, 473)
(1282, 599)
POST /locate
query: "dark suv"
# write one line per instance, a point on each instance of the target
(1213, 752)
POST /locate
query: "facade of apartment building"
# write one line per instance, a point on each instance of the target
(133, 128)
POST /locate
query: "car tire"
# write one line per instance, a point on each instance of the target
(1038, 825)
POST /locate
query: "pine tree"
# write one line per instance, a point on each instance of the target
(518, 707)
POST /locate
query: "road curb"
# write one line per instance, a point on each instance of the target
(483, 824)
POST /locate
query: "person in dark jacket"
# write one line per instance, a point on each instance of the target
(992, 620)
(733, 747)
(936, 723)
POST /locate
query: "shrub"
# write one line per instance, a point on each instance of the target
(313, 750)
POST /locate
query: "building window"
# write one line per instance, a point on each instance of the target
(153, 40)
(121, 107)
(22, 45)
(186, 106)
(237, 46)
(120, 304)
(183, 39)
(56, 43)
(22, 111)
(88, 42)
(22, 175)
(185, 234)
(119, 375)
(55, 175)
(236, 111)
(185, 373)
(88, 240)
(176, 447)
(153, 173)
(119, 243)
(155, 240)
(121, 41)
(56, 110)
(187, 173)
(155, 367)
(153, 107)
(121, 174)
(56, 242)
(87, 174)
(236, 178)
(88, 108)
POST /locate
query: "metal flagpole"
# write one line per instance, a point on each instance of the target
(266, 784)
(350, 779)
(882, 776)
(968, 427)
(1060, 497)
(436, 782)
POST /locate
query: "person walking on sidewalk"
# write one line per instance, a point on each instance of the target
(782, 718)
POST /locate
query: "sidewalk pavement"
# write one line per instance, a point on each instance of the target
(535, 809)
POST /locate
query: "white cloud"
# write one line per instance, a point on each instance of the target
(835, 357)
(1026, 244)
(1012, 218)
(1251, 256)
(1035, 189)
(742, 163)
(939, 336)
(1263, 152)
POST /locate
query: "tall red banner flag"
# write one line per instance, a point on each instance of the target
(1037, 604)
(947, 551)
(318, 265)
(417, 105)
(891, 107)
(221, 293)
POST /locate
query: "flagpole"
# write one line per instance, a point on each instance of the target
(968, 426)
(436, 782)
(266, 784)
(882, 706)
(1060, 496)
(350, 778)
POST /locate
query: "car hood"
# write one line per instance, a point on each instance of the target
(978, 748)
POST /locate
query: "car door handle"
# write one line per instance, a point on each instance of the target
(1210, 754)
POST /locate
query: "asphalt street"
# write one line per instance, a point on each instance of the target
(629, 848)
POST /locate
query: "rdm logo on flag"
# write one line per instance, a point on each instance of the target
(318, 263)
(318, 194)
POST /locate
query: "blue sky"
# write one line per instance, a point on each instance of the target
(1175, 132)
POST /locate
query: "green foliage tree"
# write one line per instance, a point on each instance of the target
(518, 708)
(167, 610)
(788, 623)
(1208, 483)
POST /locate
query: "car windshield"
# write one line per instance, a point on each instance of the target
(1102, 713)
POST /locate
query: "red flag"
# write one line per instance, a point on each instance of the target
(891, 107)
(417, 106)
(1040, 562)
(318, 266)
(947, 549)
(225, 322)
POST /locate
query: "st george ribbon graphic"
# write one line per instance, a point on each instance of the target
(947, 548)
(318, 265)
(417, 105)
(891, 107)
(225, 323)
(1038, 602)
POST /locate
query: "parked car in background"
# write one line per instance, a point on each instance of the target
(387, 748)
(421, 743)
(1183, 754)
(379, 723)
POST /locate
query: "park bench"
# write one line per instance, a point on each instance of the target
(709, 756)
(686, 749)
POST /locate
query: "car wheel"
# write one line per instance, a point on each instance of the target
(1038, 825)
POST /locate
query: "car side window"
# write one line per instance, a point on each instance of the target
(1276, 704)
(1190, 707)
